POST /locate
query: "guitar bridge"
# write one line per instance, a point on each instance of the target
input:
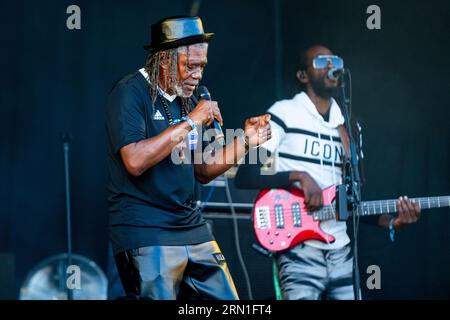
(263, 217)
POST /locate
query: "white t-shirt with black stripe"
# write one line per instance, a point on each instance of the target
(303, 141)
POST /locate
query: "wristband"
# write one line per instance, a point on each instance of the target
(391, 229)
(191, 123)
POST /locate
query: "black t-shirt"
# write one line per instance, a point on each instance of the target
(157, 207)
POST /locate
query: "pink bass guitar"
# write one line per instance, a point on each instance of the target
(281, 221)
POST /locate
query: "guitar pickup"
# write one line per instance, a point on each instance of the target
(296, 215)
(279, 216)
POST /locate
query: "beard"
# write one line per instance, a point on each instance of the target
(178, 89)
(321, 88)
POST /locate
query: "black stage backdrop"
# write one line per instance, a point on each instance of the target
(55, 79)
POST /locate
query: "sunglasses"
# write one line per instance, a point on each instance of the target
(321, 62)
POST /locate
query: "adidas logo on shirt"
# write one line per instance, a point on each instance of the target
(158, 116)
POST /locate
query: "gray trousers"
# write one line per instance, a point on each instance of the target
(307, 273)
(190, 272)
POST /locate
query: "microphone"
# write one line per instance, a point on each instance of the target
(204, 94)
(335, 74)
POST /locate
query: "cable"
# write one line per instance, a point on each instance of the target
(195, 8)
(236, 240)
(350, 93)
(208, 197)
(66, 137)
(349, 74)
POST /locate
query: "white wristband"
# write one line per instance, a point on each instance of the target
(191, 123)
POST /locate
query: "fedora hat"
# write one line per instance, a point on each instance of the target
(177, 31)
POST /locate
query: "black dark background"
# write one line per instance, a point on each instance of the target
(55, 79)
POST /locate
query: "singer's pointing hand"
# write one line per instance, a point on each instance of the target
(205, 112)
(257, 130)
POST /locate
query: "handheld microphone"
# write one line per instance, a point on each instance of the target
(335, 74)
(204, 94)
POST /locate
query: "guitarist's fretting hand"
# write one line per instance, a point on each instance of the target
(313, 193)
(408, 212)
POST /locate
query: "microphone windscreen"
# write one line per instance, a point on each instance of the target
(203, 93)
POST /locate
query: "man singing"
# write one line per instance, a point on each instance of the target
(162, 245)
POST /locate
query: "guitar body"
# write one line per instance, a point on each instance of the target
(281, 221)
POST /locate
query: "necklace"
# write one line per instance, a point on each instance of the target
(168, 113)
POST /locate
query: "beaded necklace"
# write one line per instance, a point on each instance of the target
(169, 114)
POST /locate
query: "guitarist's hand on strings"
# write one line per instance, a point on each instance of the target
(313, 193)
(408, 212)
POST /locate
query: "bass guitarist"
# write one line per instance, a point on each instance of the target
(307, 141)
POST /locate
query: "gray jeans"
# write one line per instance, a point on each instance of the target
(307, 273)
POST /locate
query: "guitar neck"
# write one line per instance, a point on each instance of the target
(369, 208)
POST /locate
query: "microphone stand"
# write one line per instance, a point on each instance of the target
(352, 179)
(66, 137)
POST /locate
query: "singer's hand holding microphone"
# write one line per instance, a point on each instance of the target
(205, 112)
